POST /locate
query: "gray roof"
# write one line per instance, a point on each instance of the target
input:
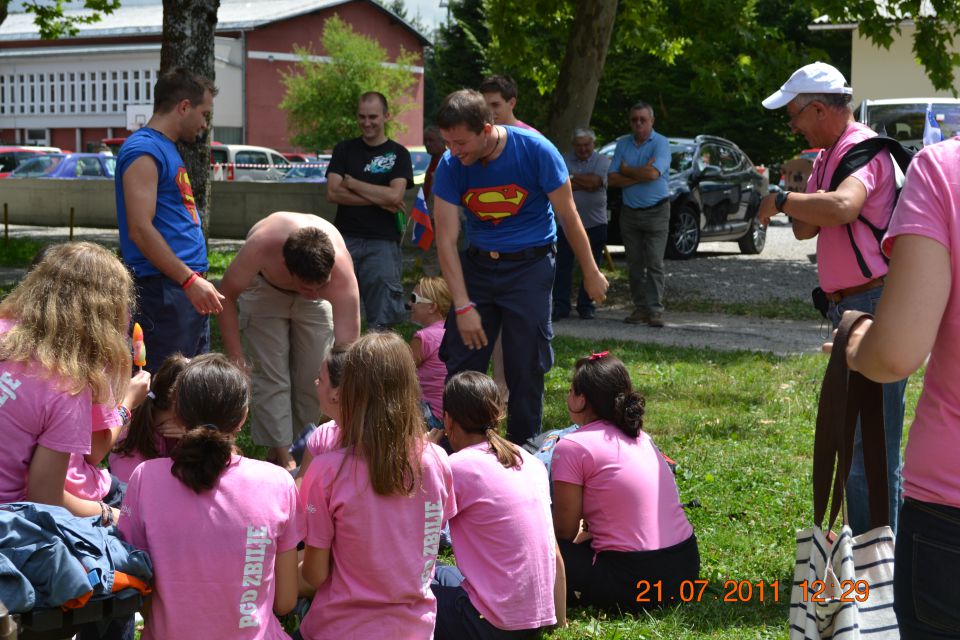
(147, 19)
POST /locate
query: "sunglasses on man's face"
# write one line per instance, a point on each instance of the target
(416, 298)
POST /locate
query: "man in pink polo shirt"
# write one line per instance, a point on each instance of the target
(850, 264)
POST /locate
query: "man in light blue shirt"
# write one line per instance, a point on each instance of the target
(640, 166)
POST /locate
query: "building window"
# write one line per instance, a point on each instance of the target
(62, 92)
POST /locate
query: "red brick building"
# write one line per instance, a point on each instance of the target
(73, 92)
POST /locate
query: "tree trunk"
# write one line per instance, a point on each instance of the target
(576, 91)
(188, 29)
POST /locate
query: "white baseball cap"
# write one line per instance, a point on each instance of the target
(818, 77)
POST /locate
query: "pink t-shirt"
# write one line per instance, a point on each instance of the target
(630, 498)
(508, 576)
(432, 372)
(122, 466)
(836, 262)
(383, 548)
(34, 409)
(324, 438)
(213, 553)
(929, 206)
(85, 480)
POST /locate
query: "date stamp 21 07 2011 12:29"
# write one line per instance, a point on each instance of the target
(747, 591)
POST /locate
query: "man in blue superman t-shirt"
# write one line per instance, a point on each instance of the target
(510, 182)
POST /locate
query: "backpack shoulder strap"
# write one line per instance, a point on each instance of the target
(863, 152)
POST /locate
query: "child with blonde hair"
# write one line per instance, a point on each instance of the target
(375, 507)
(429, 305)
(63, 348)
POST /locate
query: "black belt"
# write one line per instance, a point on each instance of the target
(653, 206)
(525, 254)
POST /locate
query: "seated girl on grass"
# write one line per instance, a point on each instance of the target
(63, 348)
(326, 437)
(222, 530)
(153, 430)
(609, 474)
(375, 507)
(508, 571)
(429, 304)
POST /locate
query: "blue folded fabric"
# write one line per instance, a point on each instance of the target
(63, 556)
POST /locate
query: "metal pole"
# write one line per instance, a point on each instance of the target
(6, 223)
(71, 224)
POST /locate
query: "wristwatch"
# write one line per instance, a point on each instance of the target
(781, 200)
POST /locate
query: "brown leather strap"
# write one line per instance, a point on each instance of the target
(840, 294)
(845, 396)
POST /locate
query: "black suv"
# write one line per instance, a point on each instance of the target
(715, 194)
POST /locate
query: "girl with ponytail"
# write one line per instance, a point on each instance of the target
(609, 474)
(153, 429)
(222, 530)
(502, 534)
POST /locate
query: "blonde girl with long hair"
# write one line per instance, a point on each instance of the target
(63, 348)
(376, 506)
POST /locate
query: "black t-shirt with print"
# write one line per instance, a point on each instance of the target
(377, 165)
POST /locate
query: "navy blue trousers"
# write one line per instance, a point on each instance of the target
(513, 295)
(170, 323)
(927, 562)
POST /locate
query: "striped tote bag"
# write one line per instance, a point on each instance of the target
(843, 585)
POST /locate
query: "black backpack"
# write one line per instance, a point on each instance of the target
(857, 156)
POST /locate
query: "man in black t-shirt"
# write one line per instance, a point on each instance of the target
(366, 178)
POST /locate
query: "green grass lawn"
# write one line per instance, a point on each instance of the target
(740, 426)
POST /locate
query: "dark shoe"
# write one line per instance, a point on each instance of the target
(558, 316)
(638, 316)
(587, 315)
(656, 319)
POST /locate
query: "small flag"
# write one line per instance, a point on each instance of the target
(422, 226)
(931, 130)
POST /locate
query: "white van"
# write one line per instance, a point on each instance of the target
(244, 163)
(903, 118)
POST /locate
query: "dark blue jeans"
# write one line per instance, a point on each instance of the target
(513, 295)
(563, 282)
(858, 504)
(170, 323)
(457, 618)
(927, 563)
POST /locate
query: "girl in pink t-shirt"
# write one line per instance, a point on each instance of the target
(609, 474)
(375, 507)
(63, 348)
(326, 437)
(429, 305)
(222, 530)
(153, 429)
(507, 557)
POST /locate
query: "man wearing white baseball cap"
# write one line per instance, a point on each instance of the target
(846, 220)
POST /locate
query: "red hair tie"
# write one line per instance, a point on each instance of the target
(597, 356)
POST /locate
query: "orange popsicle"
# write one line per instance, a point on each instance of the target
(139, 349)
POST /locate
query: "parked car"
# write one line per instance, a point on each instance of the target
(714, 192)
(307, 172)
(246, 162)
(904, 118)
(13, 157)
(420, 160)
(300, 157)
(68, 165)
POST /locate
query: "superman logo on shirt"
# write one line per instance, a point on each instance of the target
(495, 204)
(186, 192)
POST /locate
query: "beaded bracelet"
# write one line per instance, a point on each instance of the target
(106, 515)
(124, 415)
(462, 310)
